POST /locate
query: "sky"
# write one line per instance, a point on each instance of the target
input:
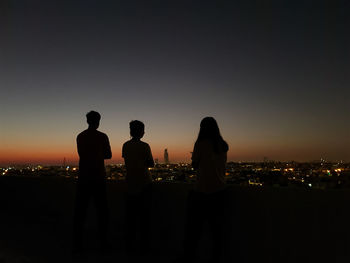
(274, 74)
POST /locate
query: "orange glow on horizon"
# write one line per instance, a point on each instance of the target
(55, 155)
(56, 158)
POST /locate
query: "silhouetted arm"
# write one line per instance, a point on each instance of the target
(108, 151)
(149, 157)
(123, 151)
(195, 157)
(79, 147)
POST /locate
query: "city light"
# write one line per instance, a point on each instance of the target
(259, 174)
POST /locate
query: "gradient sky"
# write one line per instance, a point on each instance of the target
(275, 75)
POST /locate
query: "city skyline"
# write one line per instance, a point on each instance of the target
(273, 75)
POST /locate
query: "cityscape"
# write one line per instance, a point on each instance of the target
(271, 75)
(320, 174)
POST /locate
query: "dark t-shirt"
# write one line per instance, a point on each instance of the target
(93, 148)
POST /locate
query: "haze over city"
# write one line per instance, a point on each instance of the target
(273, 76)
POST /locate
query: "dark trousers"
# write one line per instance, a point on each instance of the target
(90, 190)
(203, 208)
(138, 212)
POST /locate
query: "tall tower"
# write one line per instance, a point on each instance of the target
(166, 156)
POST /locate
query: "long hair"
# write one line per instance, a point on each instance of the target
(209, 130)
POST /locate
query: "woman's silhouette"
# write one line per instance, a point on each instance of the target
(206, 201)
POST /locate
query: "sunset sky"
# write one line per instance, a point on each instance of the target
(275, 76)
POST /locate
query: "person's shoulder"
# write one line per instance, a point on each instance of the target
(145, 144)
(101, 134)
(127, 143)
(82, 134)
(202, 143)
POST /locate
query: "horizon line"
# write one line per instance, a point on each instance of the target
(180, 162)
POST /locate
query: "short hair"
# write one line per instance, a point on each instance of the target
(137, 128)
(93, 117)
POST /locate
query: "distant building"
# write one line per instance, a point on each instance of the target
(166, 156)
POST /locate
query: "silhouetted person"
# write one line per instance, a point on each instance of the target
(138, 158)
(207, 201)
(93, 148)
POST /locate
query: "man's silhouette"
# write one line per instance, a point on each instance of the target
(138, 158)
(93, 148)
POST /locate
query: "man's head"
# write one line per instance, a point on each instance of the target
(137, 129)
(93, 119)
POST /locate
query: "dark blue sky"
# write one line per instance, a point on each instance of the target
(273, 74)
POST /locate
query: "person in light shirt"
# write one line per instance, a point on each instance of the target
(138, 158)
(207, 200)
